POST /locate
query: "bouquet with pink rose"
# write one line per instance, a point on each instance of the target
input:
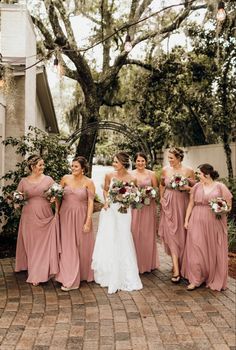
(219, 206)
(145, 195)
(124, 193)
(177, 181)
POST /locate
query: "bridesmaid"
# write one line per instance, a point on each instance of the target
(206, 252)
(77, 237)
(37, 242)
(144, 221)
(173, 209)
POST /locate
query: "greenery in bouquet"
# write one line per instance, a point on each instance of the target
(54, 191)
(219, 206)
(144, 196)
(177, 181)
(124, 193)
(16, 200)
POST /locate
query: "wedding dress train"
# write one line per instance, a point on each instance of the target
(114, 258)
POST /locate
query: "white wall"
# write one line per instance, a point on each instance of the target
(30, 74)
(212, 154)
(13, 29)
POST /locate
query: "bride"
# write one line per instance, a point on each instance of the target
(114, 259)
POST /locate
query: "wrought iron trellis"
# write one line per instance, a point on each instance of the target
(115, 126)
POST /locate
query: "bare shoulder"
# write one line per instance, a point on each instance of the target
(88, 181)
(151, 172)
(66, 178)
(165, 170)
(109, 176)
(188, 170)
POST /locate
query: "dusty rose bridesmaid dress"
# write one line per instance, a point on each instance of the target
(77, 245)
(171, 228)
(206, 251)
(144, 231)
(38, 241)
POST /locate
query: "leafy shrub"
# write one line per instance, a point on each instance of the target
(232, 236)
(55, 154)
(231, 184)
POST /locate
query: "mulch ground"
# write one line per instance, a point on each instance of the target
(8, 249)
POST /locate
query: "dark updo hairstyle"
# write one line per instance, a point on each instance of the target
(123, 158)
(208, 169)
(140, 154)
(33, 160)
(177, 152)
(83, 163)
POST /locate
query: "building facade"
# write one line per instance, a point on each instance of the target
(25, 98)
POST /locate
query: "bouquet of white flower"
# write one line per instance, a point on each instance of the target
(219, 206)
(177, 181)
(17, 200)
(56, 191)
(124, 193)
(145, 195)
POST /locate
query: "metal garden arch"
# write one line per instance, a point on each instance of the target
(121, 128)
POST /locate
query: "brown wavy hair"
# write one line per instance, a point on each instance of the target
(123, 158)
(83, 163)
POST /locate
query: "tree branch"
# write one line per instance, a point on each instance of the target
(54, 21)
(61, 9)
(169, 28)
(146, 66)
(45, 32)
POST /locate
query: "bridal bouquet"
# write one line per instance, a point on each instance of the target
(145, 195)
(177, 181)
(124, 193)
(56, 191)
(219, 206)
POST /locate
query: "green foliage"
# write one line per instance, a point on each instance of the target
(158, 169)
(55, 154)
(232, 235)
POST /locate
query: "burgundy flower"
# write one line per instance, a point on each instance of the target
(220, 204)
(122, 190)
(177, 179)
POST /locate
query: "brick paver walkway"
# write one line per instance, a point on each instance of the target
(160, 316)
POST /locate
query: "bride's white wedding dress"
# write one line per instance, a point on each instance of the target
(114, 258)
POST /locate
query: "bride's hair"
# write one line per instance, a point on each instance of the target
(123, 158)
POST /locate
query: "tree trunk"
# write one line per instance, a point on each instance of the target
(86, 147)
(228, 154)
(88, 138)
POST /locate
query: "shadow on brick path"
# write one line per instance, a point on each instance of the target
(160, 316)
